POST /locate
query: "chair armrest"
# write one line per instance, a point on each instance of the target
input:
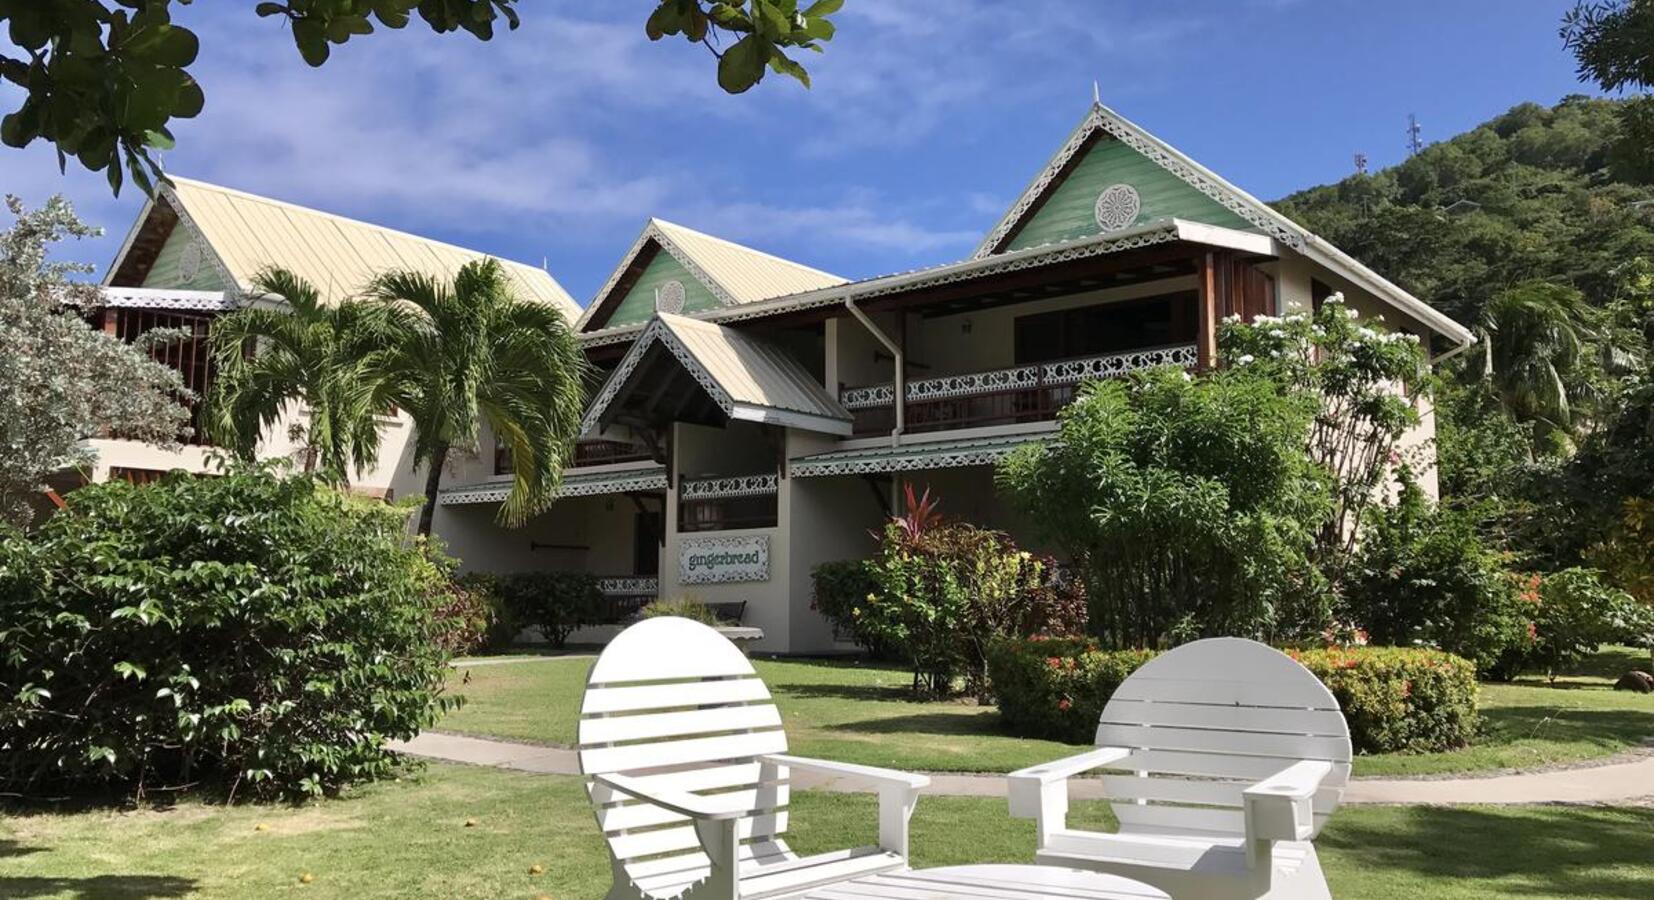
(898, 793)
(1068, 767)
(1281, 807)
(870, 775)
(708, 809)
(1041, 792)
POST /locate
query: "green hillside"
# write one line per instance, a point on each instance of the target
(1551, 197)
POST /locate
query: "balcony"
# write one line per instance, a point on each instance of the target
(586, 453)
(1032, 393)
(723, 504)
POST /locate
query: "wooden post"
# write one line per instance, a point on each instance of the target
(1206, 314)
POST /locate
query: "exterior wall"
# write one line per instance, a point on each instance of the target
(828, 520)
(1070, 211)
(394, 476)
(985, 340)
(639, 302)
(580, 534)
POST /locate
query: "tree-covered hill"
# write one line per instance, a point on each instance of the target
(1534, 194)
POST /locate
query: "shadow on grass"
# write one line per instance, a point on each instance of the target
(98, 887)
(1549, 851)
(10, 848)
(1599, 727)
(925, 723)
(888, 693)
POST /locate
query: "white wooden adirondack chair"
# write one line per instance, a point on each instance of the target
(685, 763)
(1226, 758)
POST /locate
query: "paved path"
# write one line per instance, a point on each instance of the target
(1616, 783)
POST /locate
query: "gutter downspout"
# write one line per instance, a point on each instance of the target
(1454, 352)
(901, 368)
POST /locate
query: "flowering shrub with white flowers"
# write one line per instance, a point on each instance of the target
(61, 382)
(1363, 375)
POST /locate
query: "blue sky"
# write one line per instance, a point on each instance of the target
(557, 141)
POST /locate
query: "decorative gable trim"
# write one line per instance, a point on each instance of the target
(1102, 120)
(209, 253)
(651, 232)
(655, 332)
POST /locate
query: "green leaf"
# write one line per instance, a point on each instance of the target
(780, 63)
(743, 64)
(270, 9)
(311, 38)
(160, 139)
(663, 21)
(822, 8)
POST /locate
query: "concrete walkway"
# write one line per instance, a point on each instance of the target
(1614, 783)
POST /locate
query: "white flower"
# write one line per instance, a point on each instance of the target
(1245, 358)
(1187, 376)
(1351, 313)
(1232, 318)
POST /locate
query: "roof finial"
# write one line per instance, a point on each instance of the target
(1096, 94)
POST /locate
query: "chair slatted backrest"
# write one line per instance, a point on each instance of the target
(676, 705)
(1209, 719)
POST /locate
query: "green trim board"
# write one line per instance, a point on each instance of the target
(639, 303)
(1069, 210)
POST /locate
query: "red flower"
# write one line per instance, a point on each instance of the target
(1063, 705)
(1053, 662)
(1533, 631)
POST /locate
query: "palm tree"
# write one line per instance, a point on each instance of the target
(471, 353)
(1535, 348)
(331, 359)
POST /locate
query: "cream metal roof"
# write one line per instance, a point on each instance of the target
(338, 255)
(735, 274)
(747, 275)
(746, 376)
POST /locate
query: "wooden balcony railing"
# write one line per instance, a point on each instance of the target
(586, 453)
(1031, 393)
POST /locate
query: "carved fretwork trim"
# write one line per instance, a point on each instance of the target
(912, 457)
(651, 478)
(723, 488)
(1068, 371)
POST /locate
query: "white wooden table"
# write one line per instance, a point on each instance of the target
(1001, 882)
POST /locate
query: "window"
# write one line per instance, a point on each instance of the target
(1106, 328)
(1318, 293)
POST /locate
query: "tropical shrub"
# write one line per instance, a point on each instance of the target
(684, 608)
(504, 623)
(1423, 576)
(1399, 699)
(250, 634)
(1189, 505)
(555, 603)
(1352, 373)
(1574, 615)
(1055, 688)
(840, 592)
(1394, 699)
(62, 383)
(1628, 556)
(943, 591)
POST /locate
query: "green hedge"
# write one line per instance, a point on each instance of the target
(1395, 699)
(1399, 699)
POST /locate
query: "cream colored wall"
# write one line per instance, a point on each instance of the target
(394, 476)
(986, 340)
(591, 534)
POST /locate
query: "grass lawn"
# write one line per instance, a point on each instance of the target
(409, 839)
(860, 713)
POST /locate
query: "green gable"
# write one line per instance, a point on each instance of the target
(639, 303)
(168, 270)
(1070, 210)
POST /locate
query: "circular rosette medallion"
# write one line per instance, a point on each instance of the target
(189, 262)
(669, 298)
(1117, 207)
